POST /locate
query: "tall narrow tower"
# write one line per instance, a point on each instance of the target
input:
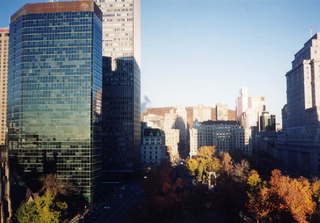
(4, 51)
(121, 82)
(303, 86)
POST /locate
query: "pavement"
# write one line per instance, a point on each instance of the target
(116, 208)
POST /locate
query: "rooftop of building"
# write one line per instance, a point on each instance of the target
(152, 132)
(55, 7)
(307, 43)
(4, 30)
(211, 122)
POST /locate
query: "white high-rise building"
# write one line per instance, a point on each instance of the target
(298, 147)
(194, 140)
(303, 86)
(249, 109)
(121, 29)
(242, 102)
(172, 143)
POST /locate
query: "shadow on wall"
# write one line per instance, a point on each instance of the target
(182, 147)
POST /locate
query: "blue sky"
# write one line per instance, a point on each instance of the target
(204, 51)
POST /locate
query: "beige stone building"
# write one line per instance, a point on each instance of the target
(121, 28)
(153, 147)
(202, 113)
(4, 48)
(222, 112)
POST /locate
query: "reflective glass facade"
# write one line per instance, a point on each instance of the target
(121, 44)
(54, 96)
(121, 109)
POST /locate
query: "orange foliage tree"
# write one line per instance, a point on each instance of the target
(283, 194)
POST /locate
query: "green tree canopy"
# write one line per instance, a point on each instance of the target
(43, 209)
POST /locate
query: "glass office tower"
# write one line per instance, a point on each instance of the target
(54, 92)
(121, 94)
(121, 109)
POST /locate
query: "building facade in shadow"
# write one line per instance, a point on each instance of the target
(121, 48)
(298, 146)
(121, 113)
(5, 198)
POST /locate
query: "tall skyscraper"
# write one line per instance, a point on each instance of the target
(242, 102)
(5, 205)
(121, 29)
(303, 86)
(298, 145)
(121, 114)
(4, 48)
(249, 109)
(54, 96)
(121, 82)
(267, 122)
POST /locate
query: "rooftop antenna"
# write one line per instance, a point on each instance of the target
(311, 30)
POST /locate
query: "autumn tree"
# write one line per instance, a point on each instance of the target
(43, 209)
(206, 151)
(226, 162)
(254, 179)
(51, 184)
(282, 195)
(204, 165)
(241, 170)
(192, 165)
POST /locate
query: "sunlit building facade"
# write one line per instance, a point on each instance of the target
(222, 112)
(298, 147)
(4, 50)
(54, 96)
(224, 135)
(121, 29)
